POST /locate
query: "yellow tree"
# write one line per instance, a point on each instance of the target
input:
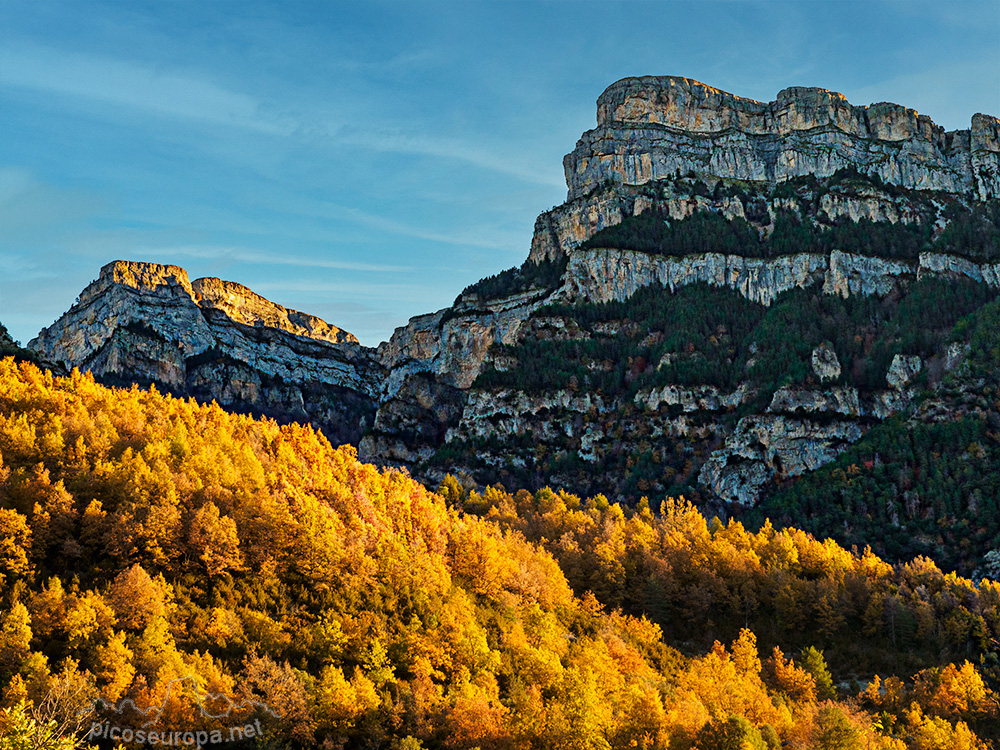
(136, 598)
(214, 540)
(113, 667)
(15, 545)
(15, 638)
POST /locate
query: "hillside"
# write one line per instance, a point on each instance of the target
(152, 544)
(658, 369)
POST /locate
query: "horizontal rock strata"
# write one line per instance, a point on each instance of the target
(651, 128)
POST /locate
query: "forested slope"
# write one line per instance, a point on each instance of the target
(147, 539)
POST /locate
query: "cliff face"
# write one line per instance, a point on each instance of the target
(431, 363)
(242, 305)
(561, 230)
(145, 322)
(657, 139)
(602, 275)
(652, 127)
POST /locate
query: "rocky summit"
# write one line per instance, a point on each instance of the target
(733, 294)
(216, 340)
(652, 127)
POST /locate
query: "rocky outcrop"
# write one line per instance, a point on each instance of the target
(902, 370)
(825, 363)
(652, 128)
(561, 230)
(764, 446)
(692, 398)
(242, 305)
(453, 343)
(507, 412)
(148, 323)
(838, 400)
(6, 342)
(431, 362)
(565, 227)
(412, 422)
(955, 267)
(849, 274)
(650, 131)
(602, 275)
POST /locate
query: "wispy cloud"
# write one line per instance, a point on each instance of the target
(494, 158)
(129, 84)
(32, 208)
(371, 291)
(408, 230)
(192, 96)
(481, 236)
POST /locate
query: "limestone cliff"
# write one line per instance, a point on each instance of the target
(431, 363)
(660, 146)
(601, 275)
(651, 128)
(244, 306)
(145, 322)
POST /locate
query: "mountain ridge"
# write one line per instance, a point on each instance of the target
(567, 370)
(212, 339)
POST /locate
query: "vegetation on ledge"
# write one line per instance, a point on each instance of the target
(926, 485)
(546, 274)
(972, 233)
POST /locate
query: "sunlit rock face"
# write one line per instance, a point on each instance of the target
(653, 127)
(148, 323)
(242, 305)
(453, 343)
(431, 363)
(649, 132)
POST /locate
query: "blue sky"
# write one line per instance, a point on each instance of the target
(365, 161)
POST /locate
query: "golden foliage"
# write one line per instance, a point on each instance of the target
(163, 551)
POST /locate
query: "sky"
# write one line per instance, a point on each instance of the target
(363, 161)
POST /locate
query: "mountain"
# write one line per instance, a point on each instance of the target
(639, 349)
(649, 128)
(216, 340)
(733, 294)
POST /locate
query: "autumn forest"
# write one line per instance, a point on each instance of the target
(169, 553)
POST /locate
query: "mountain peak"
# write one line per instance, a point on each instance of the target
(143, 275)
(652, 127)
